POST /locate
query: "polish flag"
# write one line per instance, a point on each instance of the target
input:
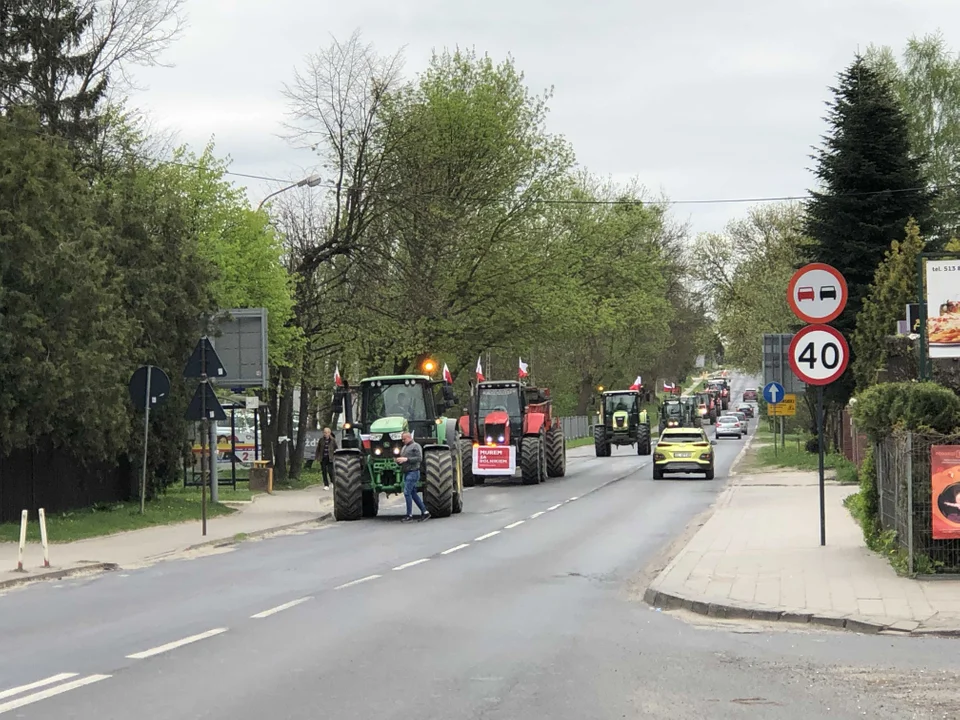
(447, 377)
(669, 387)
(636, 383)
(337, 380)
(523, 368)
(479, 371)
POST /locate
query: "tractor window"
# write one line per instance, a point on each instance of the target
(397, 399)
(672, 407)
(615, 403)
(505, 399)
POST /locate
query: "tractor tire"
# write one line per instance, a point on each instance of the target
(347, 487)
(439, 482)
(543, 457)
(598, 439)
(556, 453)
(531, 454)
(458, 486)
(371, 503)
(643, 440)
(466, 459)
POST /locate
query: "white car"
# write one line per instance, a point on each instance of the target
(728, 426)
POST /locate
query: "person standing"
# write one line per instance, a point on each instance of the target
(411, 457)
(326, 446)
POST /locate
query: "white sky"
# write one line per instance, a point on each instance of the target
(700, 99)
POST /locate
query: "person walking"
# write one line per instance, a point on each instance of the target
(326, 446)
(411, 457)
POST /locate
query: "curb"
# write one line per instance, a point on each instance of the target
(59, 574)
(866, 626)
(226, 542)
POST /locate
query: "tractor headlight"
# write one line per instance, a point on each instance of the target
(376, 436)
(396, 436)
(376, 451)
(500, 439)
(396, 451)
(489, 439)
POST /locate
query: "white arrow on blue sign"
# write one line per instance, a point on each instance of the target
(773, 393)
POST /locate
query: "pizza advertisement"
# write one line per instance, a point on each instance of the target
(943, 308)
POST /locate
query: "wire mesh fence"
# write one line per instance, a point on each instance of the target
(906, 502)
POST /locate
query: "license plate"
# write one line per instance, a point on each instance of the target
(682, 455)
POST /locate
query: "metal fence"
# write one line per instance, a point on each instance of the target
(575, 427)
(905, 500)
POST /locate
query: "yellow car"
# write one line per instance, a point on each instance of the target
(683, 450)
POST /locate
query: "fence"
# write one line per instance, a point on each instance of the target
(576, 427)
(905, 500)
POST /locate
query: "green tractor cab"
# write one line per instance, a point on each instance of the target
(365, 464)
(621, 421)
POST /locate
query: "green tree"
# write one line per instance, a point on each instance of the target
(871, 184)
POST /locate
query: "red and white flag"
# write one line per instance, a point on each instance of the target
(337, 380)
(447, 377)
(479, 371)
(669, 387)
(637, 383)
(523, 368)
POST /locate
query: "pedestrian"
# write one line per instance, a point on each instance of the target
(411, 456)
(326, 446)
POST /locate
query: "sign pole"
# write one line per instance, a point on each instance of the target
(146, 439)
(203, 436)
(823, 505)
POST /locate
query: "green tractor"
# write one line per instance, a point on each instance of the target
(677, 413)
(365, 463)
(621, 421)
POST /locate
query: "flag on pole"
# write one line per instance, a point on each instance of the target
(637, 384)
(523, 368)
(447, 377)
(479, 371)
(669, 387)
(337, 380)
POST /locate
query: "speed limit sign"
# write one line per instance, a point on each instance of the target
(819, 354)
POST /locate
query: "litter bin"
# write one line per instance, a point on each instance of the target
(261, 477)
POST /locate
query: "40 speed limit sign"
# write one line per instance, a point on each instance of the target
(819, 354)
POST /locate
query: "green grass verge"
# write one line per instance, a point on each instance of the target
(795, 456)
(579, 442)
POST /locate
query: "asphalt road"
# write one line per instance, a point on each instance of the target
(526, 605)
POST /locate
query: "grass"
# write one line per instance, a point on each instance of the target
(795, 456)
(579, 442)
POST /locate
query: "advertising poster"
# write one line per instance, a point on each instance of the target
(943, 308)
(945, 485)
(494, 459)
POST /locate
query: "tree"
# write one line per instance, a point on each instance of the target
(894, 285)
(871, 185)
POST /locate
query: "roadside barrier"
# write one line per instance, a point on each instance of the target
(24, 522)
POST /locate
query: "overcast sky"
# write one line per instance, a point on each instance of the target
(700, 99)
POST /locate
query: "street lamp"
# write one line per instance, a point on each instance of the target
(311, 181)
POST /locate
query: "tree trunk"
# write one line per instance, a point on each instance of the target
(584, 395)
(296, 462)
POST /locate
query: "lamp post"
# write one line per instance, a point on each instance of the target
(311, 181)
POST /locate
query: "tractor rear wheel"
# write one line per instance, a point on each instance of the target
(556, 453)
(643, 440)
(531, 454)
(439, 481)
(347, 487)
(466, 459)
(600, 441)
(458, 485)
(371, 503)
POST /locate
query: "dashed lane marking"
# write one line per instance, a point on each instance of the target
(488, 535)
(454, 549)
(554, 507)
(536, 515)
(411, 564)
(176, 644)
(357, 582)
(50, 692)
(38, 684)
(573, 498)
(513, 525)
(280, 608)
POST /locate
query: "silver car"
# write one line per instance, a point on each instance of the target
(742, 417)
(728, 426)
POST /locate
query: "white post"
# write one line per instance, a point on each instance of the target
(43, 538)
(23, 540)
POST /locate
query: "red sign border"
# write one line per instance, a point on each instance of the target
(842, 368)
(795, 280)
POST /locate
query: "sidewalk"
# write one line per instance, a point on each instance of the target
(264, 514)
(759, 557)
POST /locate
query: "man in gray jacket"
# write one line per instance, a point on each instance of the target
(411, 456)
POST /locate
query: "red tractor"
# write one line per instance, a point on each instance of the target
(507, 425)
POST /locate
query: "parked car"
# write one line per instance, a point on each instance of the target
(728, 426)
(746, 409)
(684, 450)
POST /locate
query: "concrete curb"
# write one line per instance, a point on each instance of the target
(226, 542)
(726, 611)
(59, 574)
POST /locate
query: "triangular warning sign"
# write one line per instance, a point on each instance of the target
(204, 354)
(214, 410)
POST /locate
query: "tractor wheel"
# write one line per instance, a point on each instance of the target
(531, 453)
(543, 457)
(600, 441)
(458, 485)
(439, 481)
(371, 503)
(347, 487)
(556, 453)
(643, 440)
(466, 459)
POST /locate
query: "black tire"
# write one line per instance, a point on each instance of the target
(543, 457)
(347, 487)
(458, 486)
(599, 440)
(556, 453)
(466, 459)
(531, 453)
(643, 440)
(438, 483)
(371, 503)
(709, 474)
(657, 473)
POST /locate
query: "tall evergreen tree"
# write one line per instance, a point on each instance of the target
(871, 185)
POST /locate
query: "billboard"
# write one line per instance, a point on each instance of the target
(943, 308)
(945, 486)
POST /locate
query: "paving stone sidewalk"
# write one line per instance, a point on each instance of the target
(759, 556)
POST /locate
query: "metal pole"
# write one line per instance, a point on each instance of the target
(233, 446)
(214, 463)
(823, 506)
(909, 465)
(203, 433)
(256, 434)
(923, 319)
(146, 439)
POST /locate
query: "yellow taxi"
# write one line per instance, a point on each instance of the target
(683, 450)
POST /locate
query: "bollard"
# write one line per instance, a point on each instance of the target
(43, 538)
(23, 540)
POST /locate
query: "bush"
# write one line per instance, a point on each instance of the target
(907, 405)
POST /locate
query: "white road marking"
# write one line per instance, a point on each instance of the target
(454, 549)
(50, 692)
(38, 684)
(411, 564)
(536, 515)
(572, 499)
(554, 507)
(488, 535)
(280, 608)
(174, 645)
(513, 525)
(357, 582)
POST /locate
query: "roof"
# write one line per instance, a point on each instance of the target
(621, 392)
(400, 378)
(682, 431)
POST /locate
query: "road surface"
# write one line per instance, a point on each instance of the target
(525, 606)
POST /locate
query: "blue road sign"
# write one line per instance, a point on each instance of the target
(773, 393)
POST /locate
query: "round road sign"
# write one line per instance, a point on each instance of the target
(819, 354)
(817, 293)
